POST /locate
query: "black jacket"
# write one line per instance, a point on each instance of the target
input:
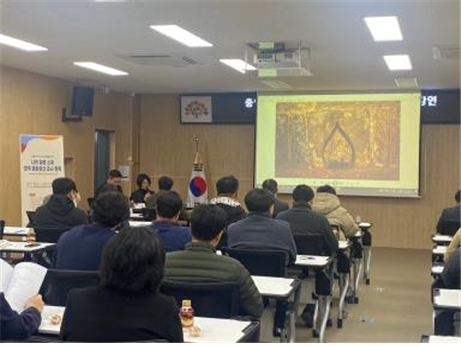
(449, 215)
(279, 206)
(16, 326)
(261, 231)
(60, 213)
(94, 314)
(451, 271)
(138, 195)
(303, 220)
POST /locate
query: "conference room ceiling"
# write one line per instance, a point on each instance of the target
(344, 55)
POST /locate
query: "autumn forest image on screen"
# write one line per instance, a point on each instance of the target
(338, 140)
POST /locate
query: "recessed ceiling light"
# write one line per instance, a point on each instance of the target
(238, 64)
(398, 62)
(384, 28)
(100, 68)
(14, 42)
(181, 35)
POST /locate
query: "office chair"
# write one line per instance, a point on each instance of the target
(219, 300)
(260, 262)
(48, 235)
(58, 283)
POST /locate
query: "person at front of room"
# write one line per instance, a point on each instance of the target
(60, 212)
(200, 263)
(227, 189)
(127, 305)
(449, 221)
(114, 178)
(327, 203)
(173, 236)
(20, 326)
(81, 247)
(444, 320)
(165, 184)
(143, 192)
(272, 186)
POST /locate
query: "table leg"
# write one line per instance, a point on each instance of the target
(293, 315)
(326, 313)
(343, 285)
(367, 261)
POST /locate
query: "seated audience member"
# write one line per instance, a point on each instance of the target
(450, 217)
(454, 245)
(173, 236)
(15, 326)
(327, 204)
(114, 178)
(126, 306)
(444, 320)
(259, 230)
(272, 186)
(143, 192)
(165, 184)
(200, 263)
(227, 188)
(81, 247)
(303, 220)
(60, 212)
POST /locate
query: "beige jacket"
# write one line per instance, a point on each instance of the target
(328, 205)
(453, 245)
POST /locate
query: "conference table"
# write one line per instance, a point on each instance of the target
(438, 252)
(441, 239)
(446, 300)
(282, 289)
(212, 329)
(23, 247)
(323, 301)
(437, 339)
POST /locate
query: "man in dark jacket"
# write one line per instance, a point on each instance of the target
(444, 320)
(199, 262)
(81, 247)
(303, 220)
(174, 237)
(113, 178)
(21, 326)
(449, 221)
(60, 212)
(259, 230)
(279, 205)
(227, 188)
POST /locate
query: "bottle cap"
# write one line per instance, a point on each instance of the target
(186, 302)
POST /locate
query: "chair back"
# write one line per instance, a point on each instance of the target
(149, 214)
(311, 244)
(219, 300)
(2, 228)
(30, 216)
(260, 262)
(58, 283)
(48, 235)
(450, 227)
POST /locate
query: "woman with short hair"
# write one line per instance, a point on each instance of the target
(127, 305)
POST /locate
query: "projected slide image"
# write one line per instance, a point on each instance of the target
(338, 140)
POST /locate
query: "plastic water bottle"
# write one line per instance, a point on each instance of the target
(186, 314)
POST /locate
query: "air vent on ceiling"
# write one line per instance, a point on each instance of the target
(445, 52)
(169, 60)
(277, 84)
(406, 83)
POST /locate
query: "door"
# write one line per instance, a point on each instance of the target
(102, 156)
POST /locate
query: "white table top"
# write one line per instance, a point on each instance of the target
(439, 250)
(444, 339)
(212, 329)
(140, 223)
(273, 286)
(437, 270)
(365, 224)
(441, 238)
(20, 246)
(448, 299)
(311, 261)
(344, 244)
(16, 231)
